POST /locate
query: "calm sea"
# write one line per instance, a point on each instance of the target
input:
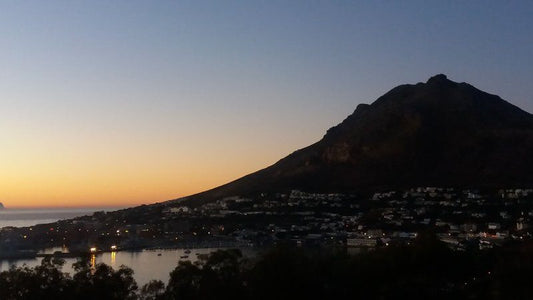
(30, 217)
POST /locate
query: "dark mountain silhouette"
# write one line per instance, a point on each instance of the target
(438, 133)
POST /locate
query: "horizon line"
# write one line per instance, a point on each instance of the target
(70, 207)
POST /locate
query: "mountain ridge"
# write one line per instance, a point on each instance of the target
(435, 133)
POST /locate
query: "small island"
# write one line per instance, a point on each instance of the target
(1, 206)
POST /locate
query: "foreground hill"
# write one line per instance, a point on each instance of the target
(440, 133)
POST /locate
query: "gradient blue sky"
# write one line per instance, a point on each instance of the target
(128, 102)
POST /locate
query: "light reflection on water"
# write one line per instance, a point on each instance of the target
(113, 259)
(93, 263)
(146, 264)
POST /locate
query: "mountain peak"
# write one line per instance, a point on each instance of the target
(439, 79)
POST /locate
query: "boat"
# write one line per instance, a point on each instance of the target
(158, 254)
(187, 251)
(184, 256)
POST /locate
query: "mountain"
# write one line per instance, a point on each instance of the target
(438, 133)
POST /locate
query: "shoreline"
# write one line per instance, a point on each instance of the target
(79, 254)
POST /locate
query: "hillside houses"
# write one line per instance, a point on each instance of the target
(462, 219)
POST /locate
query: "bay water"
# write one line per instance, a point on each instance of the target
(147, 264)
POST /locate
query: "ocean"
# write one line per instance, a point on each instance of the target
(30, 217)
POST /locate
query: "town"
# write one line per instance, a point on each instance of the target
(464, 219)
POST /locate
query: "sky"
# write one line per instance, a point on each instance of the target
(107, 103)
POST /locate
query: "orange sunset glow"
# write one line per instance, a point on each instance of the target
(122, 170)
(115, 180)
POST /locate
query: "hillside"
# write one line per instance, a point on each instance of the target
(438, 133)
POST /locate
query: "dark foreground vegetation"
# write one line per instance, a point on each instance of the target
(426, 269)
